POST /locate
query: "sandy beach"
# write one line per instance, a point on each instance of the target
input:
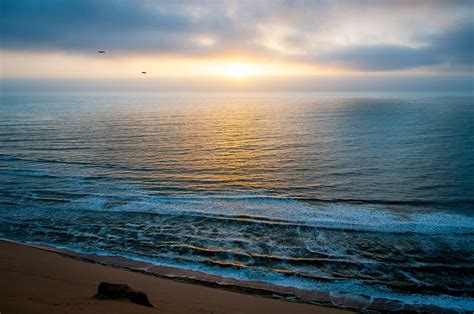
(39, 281)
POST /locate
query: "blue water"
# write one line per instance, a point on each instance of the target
(372, 194)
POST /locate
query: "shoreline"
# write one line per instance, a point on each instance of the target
(321, 301)
(41, 279)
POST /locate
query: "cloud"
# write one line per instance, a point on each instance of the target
(380, 57)
(87, 24)
(455, 46)
(367, 35)
(122, 26)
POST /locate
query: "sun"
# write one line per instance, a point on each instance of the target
(240, 70)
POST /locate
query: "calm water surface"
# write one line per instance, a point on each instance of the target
(366, 193)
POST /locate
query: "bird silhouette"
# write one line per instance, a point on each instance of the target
(143, 72)
(101, 51)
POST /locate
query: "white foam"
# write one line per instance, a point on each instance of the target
(283, 210)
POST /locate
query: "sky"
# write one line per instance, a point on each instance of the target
(238, 44)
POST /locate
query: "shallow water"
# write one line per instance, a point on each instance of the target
(366, 193)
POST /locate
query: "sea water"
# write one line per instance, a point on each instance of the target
(372, 193)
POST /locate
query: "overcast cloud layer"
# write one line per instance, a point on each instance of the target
(361, 35)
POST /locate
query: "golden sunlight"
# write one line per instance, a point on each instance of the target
(31, 64)
(241, 70)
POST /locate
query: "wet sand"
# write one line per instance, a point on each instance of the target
(34, 280)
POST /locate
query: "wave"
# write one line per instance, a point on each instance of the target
(338, 247)
(277, 210)
(259, 209)
(424, 203)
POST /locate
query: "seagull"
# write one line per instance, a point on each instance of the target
(143, 72)
(101, 51)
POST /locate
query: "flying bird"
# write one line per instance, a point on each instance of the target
(101, 51)
(143, 72)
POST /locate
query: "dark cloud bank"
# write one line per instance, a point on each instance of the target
(454, 47)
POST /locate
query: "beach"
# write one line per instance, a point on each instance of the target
(39, 281)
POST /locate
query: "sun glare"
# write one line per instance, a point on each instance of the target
(240, 70)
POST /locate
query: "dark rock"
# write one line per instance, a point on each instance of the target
(121, 291)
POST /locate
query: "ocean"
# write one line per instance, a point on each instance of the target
(349, 193)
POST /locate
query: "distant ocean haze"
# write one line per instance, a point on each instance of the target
(341, 192)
